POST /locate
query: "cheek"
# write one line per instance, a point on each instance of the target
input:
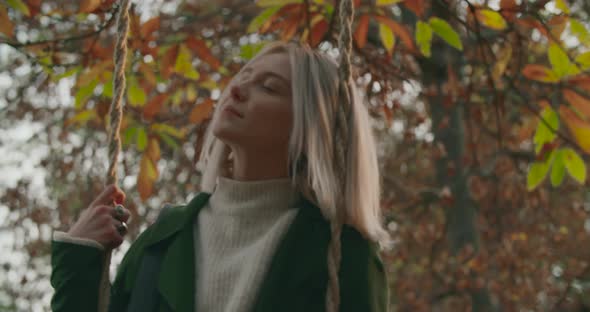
(272, 122)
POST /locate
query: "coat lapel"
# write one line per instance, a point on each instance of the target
(300, 257)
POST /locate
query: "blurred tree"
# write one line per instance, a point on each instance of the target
(482, 109)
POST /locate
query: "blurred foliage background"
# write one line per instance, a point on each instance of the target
(481, 109)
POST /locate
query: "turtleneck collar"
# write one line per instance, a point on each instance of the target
(259, 198)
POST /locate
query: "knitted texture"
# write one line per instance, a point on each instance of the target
(236, 235)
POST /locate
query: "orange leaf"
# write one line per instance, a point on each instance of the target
(88, 6)
(580, 103)
(154, 106)
(150, 26)
(146, 177)
(203, 52)
(416, 6)
(201, 111)
(581, 81)
(539, 73)
(360, 34)
(6, 26)
(509, 9)
(168, 60)
(153, 150)
(579, 128)
(318, 31)
(398, 29)
(148, 73)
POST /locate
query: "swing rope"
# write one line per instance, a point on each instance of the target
(345, 17)
(116, 114)
(342, 141)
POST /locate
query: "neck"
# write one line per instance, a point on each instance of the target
(251, 166)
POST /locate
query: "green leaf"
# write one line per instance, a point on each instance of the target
(491, 19)
(248, 51)
(387, 37)
(19, 6)
(267, 3)
(560, 61)
(446, 32)
(107, 90)
(558, 168)
(129, 135)
(84, 93)
(164, 128)
(544, 134)
(575, 165)
(82, 117)
(142, 139)
(168, 140)
(584, 60)
(579, 30)
(536, 175)
(70, 72)
(262, 18)
(184, 64)
(136, 95)
(424, 37)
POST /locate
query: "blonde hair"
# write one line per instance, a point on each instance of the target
(314, 81)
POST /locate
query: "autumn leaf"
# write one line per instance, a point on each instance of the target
(135, 93)
(142, 139)
(575, 165)
(88, 6)
(168, 60)
(6, 26)
(261, 18)
(81, 117)
(267, 3)
(399, 30)
(183, 64)
(387, 38)
(500, 66)
(387, 2)
(580, 103)
(154, 106)
(546, 128)
(150, 26)
(491, 19)
(201, 111)
(579, 30)
(579, 129)
(584, 60)
(153, 150)
(319, 27)
(560, 62)
(509, 9)
(146, 177)
(169, 130)
(360, 33)
(539, 73)
(203, 52)
(416, 6)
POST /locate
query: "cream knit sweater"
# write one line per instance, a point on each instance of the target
(236, 235)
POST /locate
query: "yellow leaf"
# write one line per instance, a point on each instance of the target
(81, 117)
(560, 4)
(164, 128)
(503, 60)
(184, 64)
(584, 60)
(146, 177)
(6, 26)
(491, 19)
(267, 3)
(387, 2)
(387, 38)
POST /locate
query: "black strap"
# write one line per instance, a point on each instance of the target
(144, 297)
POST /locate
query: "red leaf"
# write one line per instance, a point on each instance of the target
(154, 106)
(539, 73)
(317, 32)
(360, 34)
(416, 6)
(200, 48)
(168, 61)
(150, 26)
(508, 9)
(6, 26)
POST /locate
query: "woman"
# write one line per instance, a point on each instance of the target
(256, 238)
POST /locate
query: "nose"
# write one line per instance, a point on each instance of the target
(237, 93)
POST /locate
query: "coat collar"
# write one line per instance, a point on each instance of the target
(308, 234)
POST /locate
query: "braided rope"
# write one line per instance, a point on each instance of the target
(346, 14)
(116, 114)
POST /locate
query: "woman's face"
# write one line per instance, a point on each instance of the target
(261, 95)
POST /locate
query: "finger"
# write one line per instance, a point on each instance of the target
(120, 213)
(108, 195)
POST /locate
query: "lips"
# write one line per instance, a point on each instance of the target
(233, 111)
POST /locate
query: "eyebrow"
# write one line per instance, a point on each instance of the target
(269, 73)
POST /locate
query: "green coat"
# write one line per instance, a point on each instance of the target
(296, 280)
